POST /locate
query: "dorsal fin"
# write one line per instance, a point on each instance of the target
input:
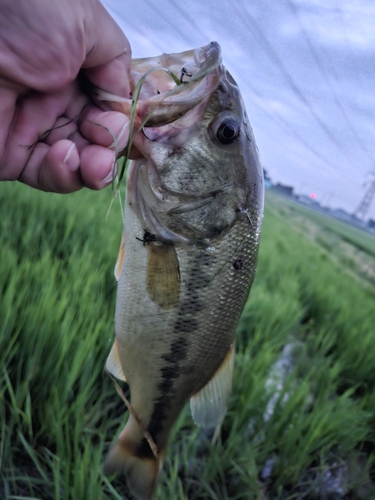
(113, 363)
(209, 405)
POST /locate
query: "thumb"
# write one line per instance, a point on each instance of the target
(108, 59)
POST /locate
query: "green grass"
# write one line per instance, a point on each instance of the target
(351, 247)
(59, 411)
(358, 237)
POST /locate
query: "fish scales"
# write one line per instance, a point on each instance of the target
(180, 338)
(193, 215)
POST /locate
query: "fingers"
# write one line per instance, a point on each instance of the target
(45, 139)
(61, 169)
(98, 166)
(108, 59)
(106, 128)
(44, 129)
(54, 168)
(8, 98)
(114, 76)
(35, 114)
(64, 128)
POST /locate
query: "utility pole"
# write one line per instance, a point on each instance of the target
(365, 203)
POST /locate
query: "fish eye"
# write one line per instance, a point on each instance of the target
(227, 132)
(226, 129)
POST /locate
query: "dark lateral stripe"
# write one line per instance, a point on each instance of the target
(185, 324)
(169, 373)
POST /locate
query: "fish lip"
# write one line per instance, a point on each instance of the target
(211, 59)
(167, 107)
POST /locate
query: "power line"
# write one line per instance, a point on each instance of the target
(265, 45)
(187, 22)
(293, 132)
(290, 130)
(345, 33)
(323, 72)
(162, 15)
(285, 125)
(191, 20)
(119, 12)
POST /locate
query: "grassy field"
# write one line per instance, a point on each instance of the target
(351, 246)
(301, 423)
(360, 238)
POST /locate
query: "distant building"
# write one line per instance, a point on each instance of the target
(339, 213)
(283, 190)
(306, 200)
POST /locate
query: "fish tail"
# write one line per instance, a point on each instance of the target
(131, 456)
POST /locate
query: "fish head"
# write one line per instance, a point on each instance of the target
(200, 170)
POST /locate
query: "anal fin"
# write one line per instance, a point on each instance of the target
(113, 363)
(208, 406)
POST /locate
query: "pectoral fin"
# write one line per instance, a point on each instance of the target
(113, 363)
(120, 258)
(209, 405)
(163, 274)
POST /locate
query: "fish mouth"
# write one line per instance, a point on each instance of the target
(166, 87)
(198, 73)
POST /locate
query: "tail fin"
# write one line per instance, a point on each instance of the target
(131, 456)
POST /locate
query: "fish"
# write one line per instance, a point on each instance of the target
(188, 255)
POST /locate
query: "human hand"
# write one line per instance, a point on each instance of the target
(52, 137)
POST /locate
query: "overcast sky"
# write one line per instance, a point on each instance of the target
(306, 70)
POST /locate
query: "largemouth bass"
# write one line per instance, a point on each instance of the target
(193, 215)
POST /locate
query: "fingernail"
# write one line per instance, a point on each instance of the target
(113, 172)
(70, 159)
(122, 138)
